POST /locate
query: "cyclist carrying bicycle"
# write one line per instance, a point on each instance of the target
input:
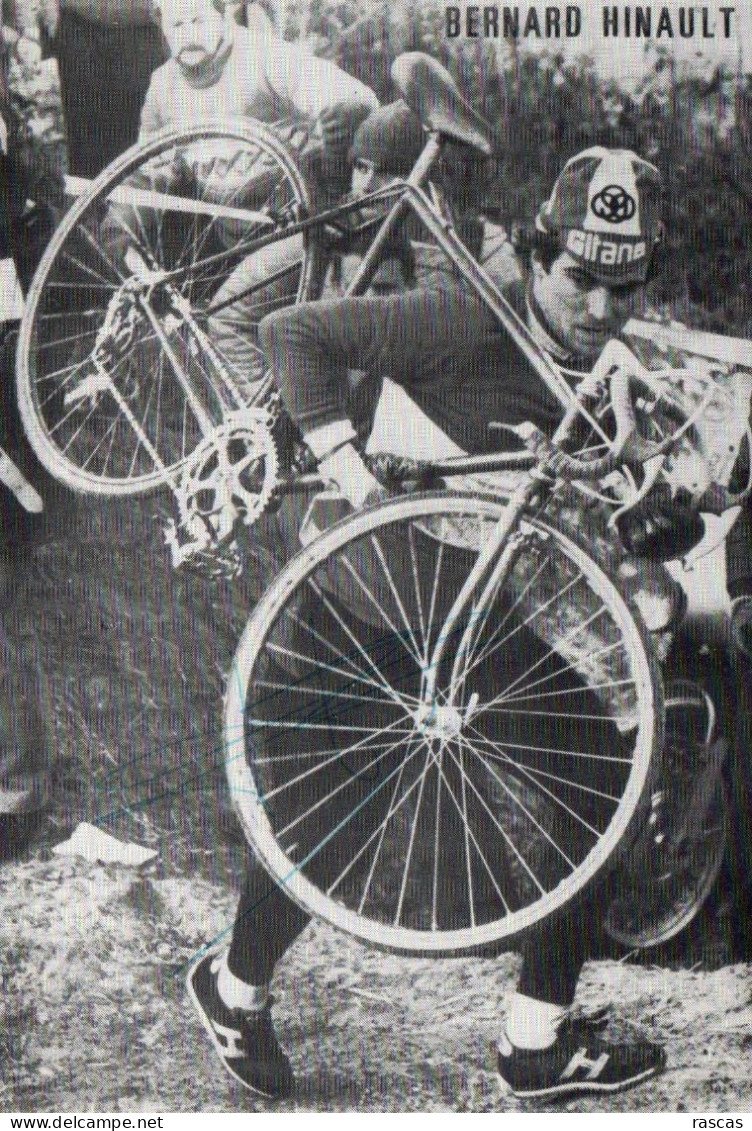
(589, 262)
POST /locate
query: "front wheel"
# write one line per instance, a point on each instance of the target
(439, 827)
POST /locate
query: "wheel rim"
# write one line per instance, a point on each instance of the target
(644, 915)
(105, 332)
(436, 833)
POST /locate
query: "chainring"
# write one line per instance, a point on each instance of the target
(230, 477)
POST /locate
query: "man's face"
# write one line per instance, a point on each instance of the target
(194, 30)
(581, 312)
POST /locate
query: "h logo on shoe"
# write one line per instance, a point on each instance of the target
(580, 1060)
(233, 1040)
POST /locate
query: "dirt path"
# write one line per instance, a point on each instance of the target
(94, 1016)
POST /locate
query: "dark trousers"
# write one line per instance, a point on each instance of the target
(105, 72)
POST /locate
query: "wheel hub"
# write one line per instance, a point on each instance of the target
(440, 722)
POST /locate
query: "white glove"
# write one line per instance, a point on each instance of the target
(346, 470)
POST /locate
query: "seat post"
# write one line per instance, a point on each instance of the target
(363, 276)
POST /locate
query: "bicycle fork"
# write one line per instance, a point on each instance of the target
(489, 572)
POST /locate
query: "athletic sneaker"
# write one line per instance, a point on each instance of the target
(245, 1042)
(579, 1060)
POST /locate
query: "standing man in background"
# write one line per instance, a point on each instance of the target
(106, 51)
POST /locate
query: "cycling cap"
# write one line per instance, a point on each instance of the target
(391, 138)
(606, 209)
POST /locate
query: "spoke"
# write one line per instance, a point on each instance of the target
(189, 243)
(473, 840)
(64, 420)
(356, 747)
(102, 282)
(291, 724)
(153, 391)
(109, 434)
(523, 808)
(554, 650)
(345, 821)
(69, 369)
(543, 714)
(418, 595)
(436, 841)
(523, 624)
(299, 689)
(377, 834)
(56, 342)
(377, 605)
(568, 782)
(145, 238)
(276, 759)
(434, 595)
(397, 599)
(357, 674)
(229, 197)
(143, 248)
(494, 819)
(584, 690)
(567, 670)
(75, 287)
(258, 285)
(489, 645)
(344, 785)
(466, 826)
(381, 678)
(503, 745)
(100, 252)
(539, 785)
(411, 842)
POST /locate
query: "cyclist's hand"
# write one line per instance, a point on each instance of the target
(402, 474)
(346, 470)
(338, 125)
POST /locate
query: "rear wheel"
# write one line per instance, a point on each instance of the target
(442, 826)
(678, 855)
(128, 356)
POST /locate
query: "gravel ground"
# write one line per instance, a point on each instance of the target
(95, 1017)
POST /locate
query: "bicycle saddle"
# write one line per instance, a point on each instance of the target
(431, 93)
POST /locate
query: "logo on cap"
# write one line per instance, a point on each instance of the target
(613, 204)
(609, 254)
(605, 206)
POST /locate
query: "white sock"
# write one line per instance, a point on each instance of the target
(532, 1024)
(237, 994)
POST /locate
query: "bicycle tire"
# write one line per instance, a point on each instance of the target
(645, 916)
(302, 677)
(678, 855)
(87, 441)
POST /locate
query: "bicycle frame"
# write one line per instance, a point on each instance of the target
(412, 197)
